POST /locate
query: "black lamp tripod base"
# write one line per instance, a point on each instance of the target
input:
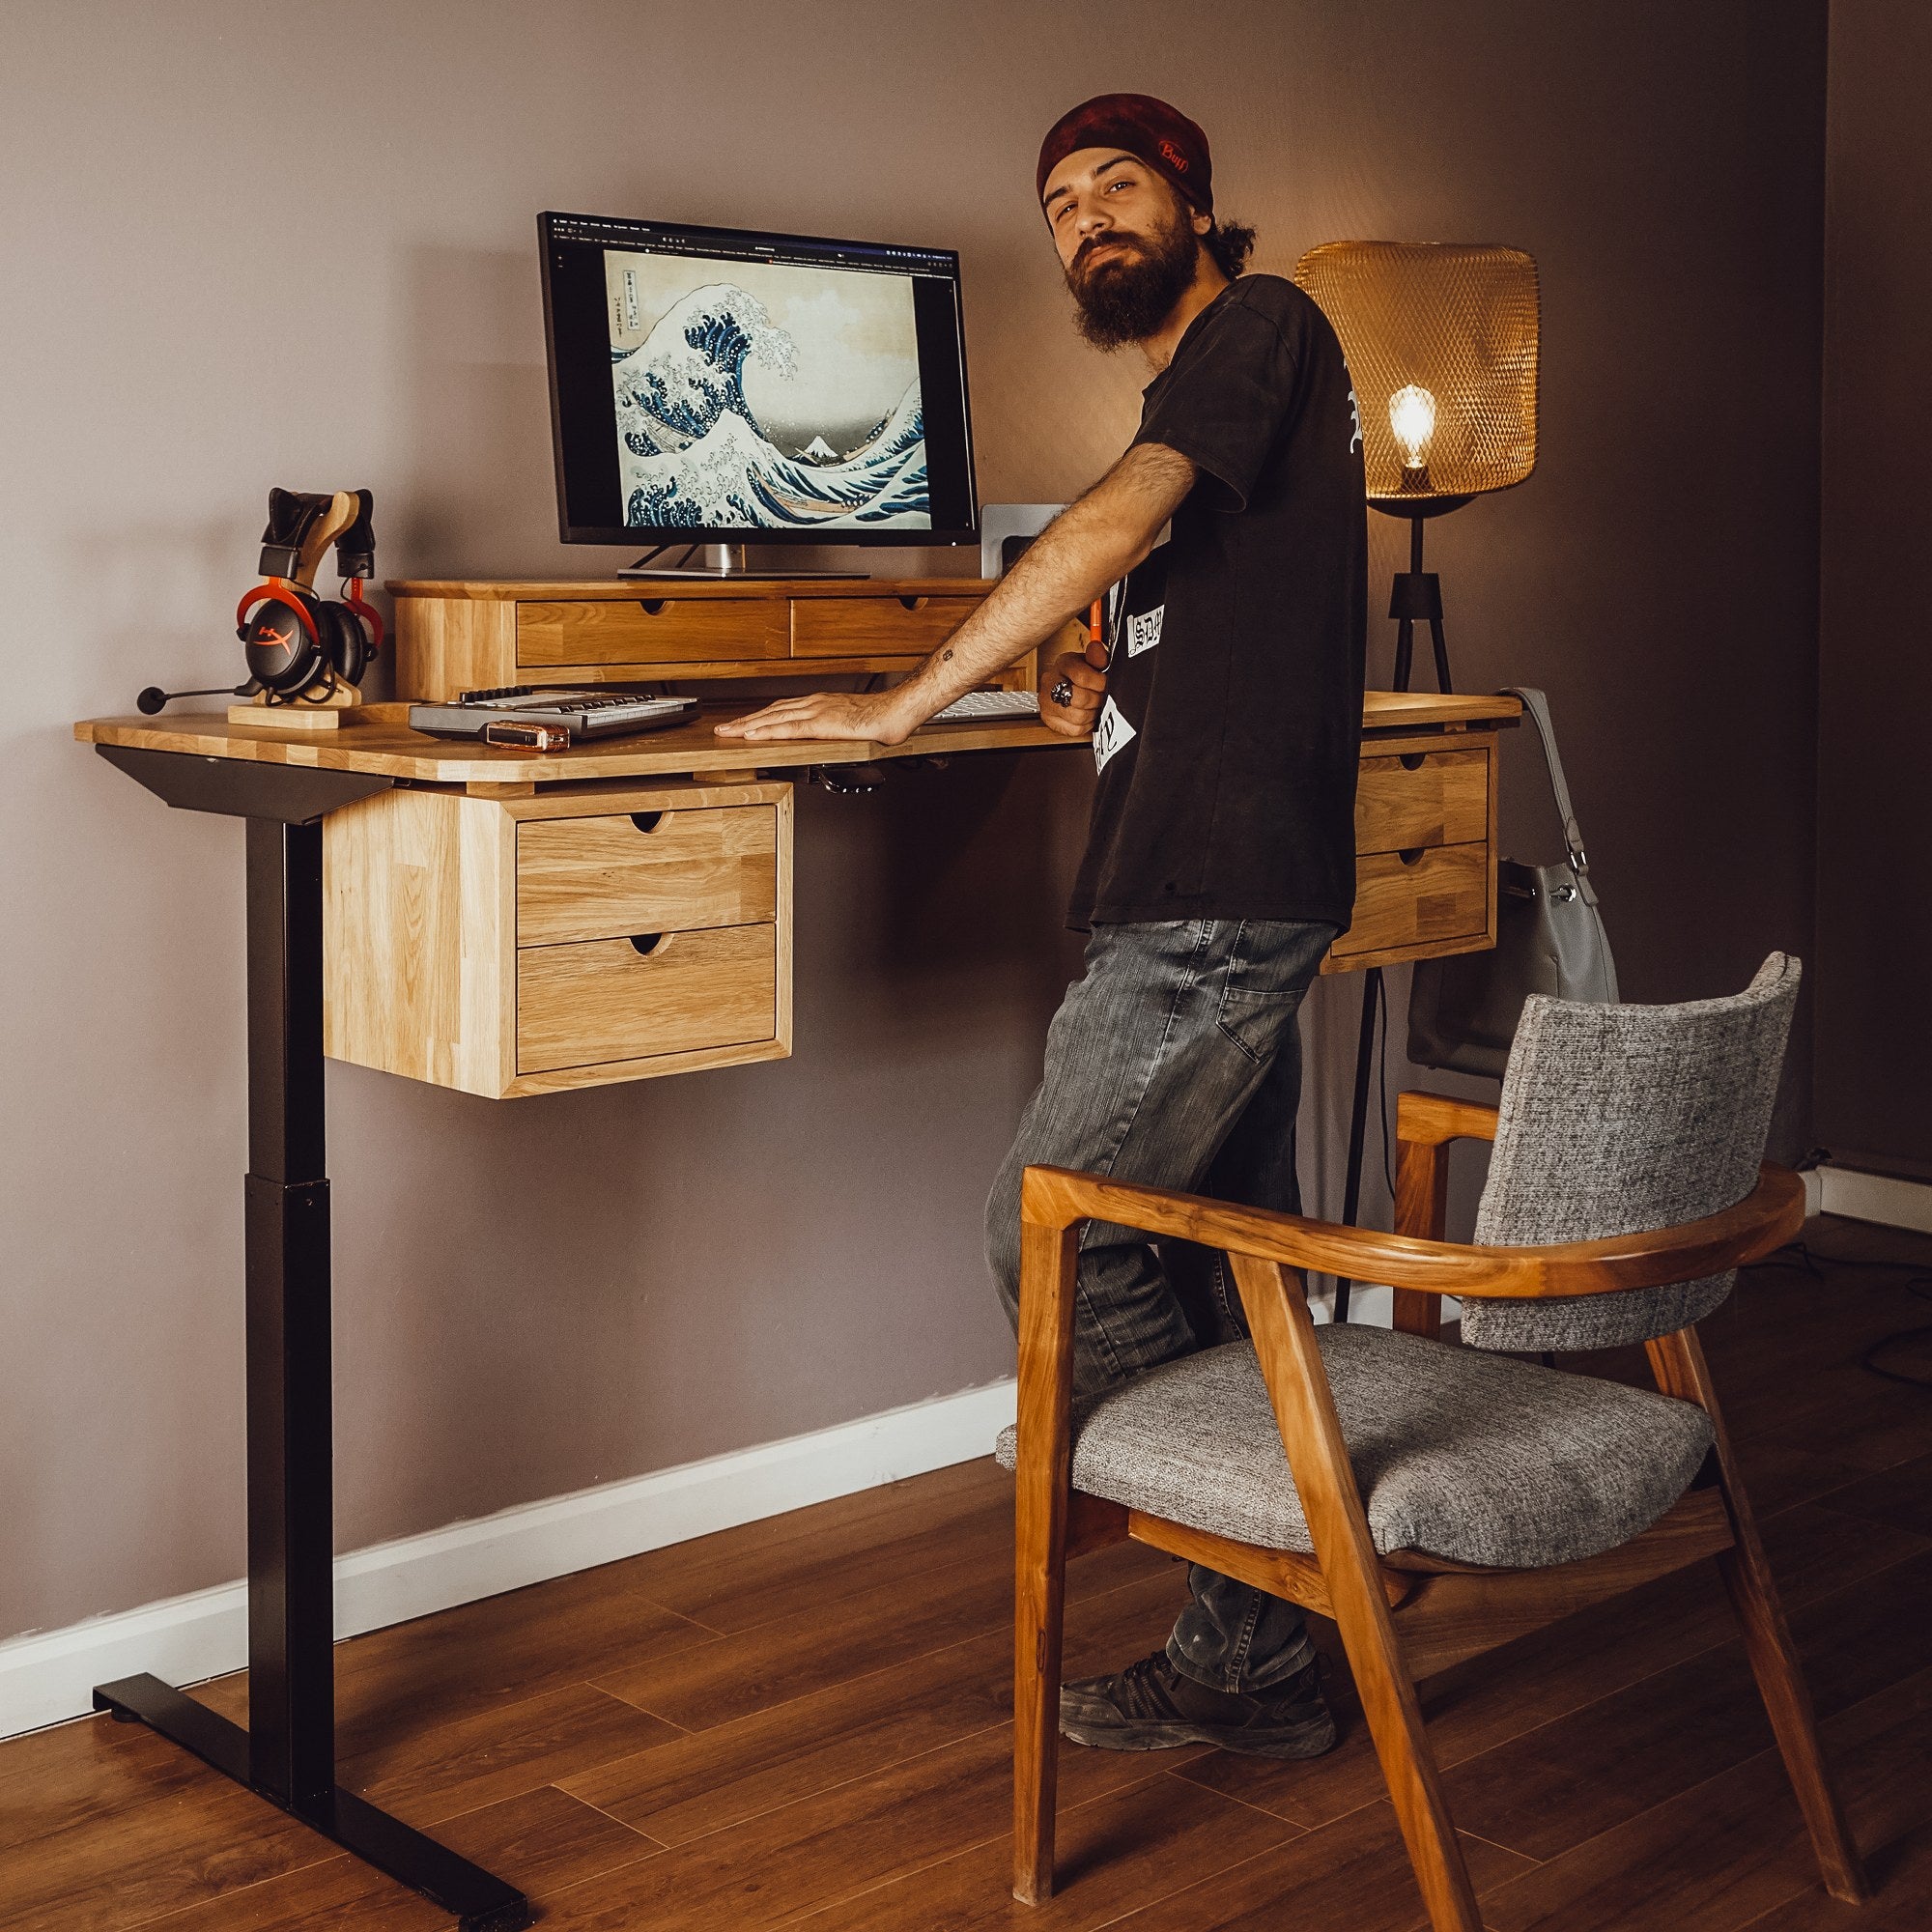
(1415, 598)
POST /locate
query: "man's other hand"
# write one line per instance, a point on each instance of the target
(1087, 674)
(876, 718)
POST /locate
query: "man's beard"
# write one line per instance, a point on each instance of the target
(1127, 297)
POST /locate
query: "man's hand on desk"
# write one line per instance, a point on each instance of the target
(875, 717)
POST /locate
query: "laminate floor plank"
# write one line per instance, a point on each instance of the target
(1114, 1855)
(1903, 1873)
(701, 1686)
(1350, 1876)
(743, 1577)
(85, 1773)
(199, 1839)
(1720, 1855)
(1900, 1497)
(1550, 1790)
(502, 1753)
(339, 1894)
(544, 1840)
(394, 1685)
(819, 1850)
(713, 1779)
(1507, 1692)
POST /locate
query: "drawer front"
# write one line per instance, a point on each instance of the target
(1435, 798)
(653, 631)
(864, 627)
(657, 872)
(1442, 895)
(601, 1000)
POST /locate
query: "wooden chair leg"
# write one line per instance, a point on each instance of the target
(1681, 1370)
(1047, 1259)
(1318, 1460)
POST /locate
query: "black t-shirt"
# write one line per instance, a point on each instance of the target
(1227, 741)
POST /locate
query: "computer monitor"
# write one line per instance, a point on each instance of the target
(715, 386)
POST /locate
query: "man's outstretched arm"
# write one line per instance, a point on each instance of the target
(1089, 545)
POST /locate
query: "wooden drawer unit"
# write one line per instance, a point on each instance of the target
(650, 631)
(608, 1000)
(613, 875)
(464, 634)
(524, 945)
(872, 627)
(1424, 850)
(1422, 798)
(1411, 903)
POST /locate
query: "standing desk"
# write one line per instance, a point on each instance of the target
(508, 925)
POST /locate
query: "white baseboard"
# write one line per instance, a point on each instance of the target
(50, 1676)
(1874, 1197)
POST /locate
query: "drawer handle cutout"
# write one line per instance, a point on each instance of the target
(1411, 761)
(913, 602)
(647, 821)
(1410, 853)
(653, 607)
(644, 944)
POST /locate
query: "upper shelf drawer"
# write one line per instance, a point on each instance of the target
(666, 871)
(864, 627)
(1434, 798)
(652, 630)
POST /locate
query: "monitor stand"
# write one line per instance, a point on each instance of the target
(727, 561)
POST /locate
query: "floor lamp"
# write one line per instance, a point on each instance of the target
(1441, 342)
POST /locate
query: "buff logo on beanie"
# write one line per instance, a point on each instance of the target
(1160, 135)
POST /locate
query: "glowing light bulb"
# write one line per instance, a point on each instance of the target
(1412, 419)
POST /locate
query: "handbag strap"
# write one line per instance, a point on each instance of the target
(1536, 705)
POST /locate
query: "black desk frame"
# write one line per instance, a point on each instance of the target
(287, 1752)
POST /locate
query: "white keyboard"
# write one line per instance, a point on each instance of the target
(987, 705)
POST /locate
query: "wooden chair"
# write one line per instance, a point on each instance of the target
(1606, 1111)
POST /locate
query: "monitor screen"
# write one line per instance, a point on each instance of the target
(717, 384)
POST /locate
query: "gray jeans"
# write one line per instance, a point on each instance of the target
(1175, 1062)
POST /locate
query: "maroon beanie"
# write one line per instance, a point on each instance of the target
(1160, 135)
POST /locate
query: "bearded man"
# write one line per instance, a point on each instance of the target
(1225, 711)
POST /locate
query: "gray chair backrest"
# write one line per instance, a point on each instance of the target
(1619, 1119)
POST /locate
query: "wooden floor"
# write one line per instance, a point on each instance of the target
(803, 1721)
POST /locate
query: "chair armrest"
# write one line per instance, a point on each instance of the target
(1429, 1119)
(1054, 1197)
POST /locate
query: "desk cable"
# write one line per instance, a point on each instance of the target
(1918, 1282)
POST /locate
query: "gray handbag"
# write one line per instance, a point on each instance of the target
(1463, 1011)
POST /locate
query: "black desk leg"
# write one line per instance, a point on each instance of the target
(287, 1753)
(1359, 1117)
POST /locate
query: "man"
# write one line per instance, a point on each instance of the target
(1220, 866)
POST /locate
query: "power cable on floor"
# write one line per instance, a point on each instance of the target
(1918, 1282)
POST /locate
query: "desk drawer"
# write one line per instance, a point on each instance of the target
(652, 871)
(1434, 798)
(864, 627)
(604, 999)
(653, 631)
(1442, 893)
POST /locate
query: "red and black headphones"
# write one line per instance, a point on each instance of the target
(300, 645)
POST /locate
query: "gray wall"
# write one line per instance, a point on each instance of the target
(1875, 673)
(223, 270)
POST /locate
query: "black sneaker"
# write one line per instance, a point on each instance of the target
(1151, 1706)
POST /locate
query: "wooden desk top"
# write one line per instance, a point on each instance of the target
(649, 590)
(379, 740)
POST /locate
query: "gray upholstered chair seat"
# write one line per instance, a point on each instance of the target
(1459, 1453)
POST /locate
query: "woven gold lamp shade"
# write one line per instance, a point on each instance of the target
(1440, 338)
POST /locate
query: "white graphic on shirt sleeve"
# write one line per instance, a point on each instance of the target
(1110, 733)
(1355, 413)
(1144, 630)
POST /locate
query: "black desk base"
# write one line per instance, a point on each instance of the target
(287, 1753)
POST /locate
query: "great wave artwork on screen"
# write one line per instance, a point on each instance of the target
(760, 396)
